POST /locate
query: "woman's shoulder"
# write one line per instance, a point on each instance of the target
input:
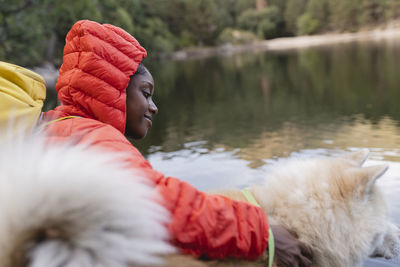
(84, 130)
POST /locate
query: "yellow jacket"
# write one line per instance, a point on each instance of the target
(22, 93)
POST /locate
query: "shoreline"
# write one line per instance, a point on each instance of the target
(289, 43)
(389, 32)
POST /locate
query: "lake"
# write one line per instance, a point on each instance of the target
(223, 120)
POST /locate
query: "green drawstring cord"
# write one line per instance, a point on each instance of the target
(59, 119)
(271, 243)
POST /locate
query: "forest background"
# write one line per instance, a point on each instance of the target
(33, 31)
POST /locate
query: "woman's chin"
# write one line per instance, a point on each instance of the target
(136, 134)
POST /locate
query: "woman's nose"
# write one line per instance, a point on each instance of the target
(152, 107)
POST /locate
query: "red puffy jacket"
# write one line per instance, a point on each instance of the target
(97, 64)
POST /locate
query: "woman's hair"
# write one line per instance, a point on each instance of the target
(141, 70)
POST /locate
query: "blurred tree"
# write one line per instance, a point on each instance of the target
(392, 9)
(123, 20)
(267, 23)
(32, 31)
(155, 37)
(28, 30)
(232, 36)
(172, 12)
(306, 24)
(294, 9)
(65, 14)
(281, 4)
(242, 6)
(315, 19)
(319, 11)
(272, 25)
(249, 20)
(227, 13)
(345, 14)
(202, 23)
(373, 12)
(260, 4)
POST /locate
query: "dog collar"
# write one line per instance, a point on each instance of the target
(271, 243)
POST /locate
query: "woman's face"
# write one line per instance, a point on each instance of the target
(140, 107)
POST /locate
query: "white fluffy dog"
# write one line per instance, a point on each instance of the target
(334, 206)
(63, 205)
(72, 206)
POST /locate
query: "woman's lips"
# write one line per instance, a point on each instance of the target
(149, 119)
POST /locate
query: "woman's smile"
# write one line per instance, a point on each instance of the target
(149, 118)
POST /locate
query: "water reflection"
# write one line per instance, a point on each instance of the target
(382, 138)
(271, 104)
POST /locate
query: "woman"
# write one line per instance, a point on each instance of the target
(104, 94)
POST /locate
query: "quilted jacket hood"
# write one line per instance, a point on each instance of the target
(97, 64)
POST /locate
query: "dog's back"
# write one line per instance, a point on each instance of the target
(64, 205)
(334, 206)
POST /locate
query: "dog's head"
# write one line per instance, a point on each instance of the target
(335, 206)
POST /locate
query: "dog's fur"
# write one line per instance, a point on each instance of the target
(334, 206)
(64, 205)
(72, 206)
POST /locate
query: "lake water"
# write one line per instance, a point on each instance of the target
(223, 120)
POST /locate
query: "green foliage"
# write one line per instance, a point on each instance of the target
(172, 12)
(241, 6)
(123, 20)
(66, 13)
(373, 12)
(32, 31)
(202, 24)
(155, 36)
(232, 36)
(267, 23)
(226, 13)
(319, 11)
(272, 25)
(345, 14)
(267, 29)
(294, 9)
(392, 9)
(19, 29)
(281, 4)
(306, 24)
(249, 20)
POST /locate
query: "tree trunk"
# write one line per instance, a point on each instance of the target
(260, 4)
(51, 47)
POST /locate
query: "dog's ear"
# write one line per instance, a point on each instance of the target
(358, 157)
(367, 177)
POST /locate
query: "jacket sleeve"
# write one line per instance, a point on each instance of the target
(212, 225)
(207, 225)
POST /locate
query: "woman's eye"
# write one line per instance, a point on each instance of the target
(146, 95)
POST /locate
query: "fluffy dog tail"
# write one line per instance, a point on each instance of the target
(64, 205)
